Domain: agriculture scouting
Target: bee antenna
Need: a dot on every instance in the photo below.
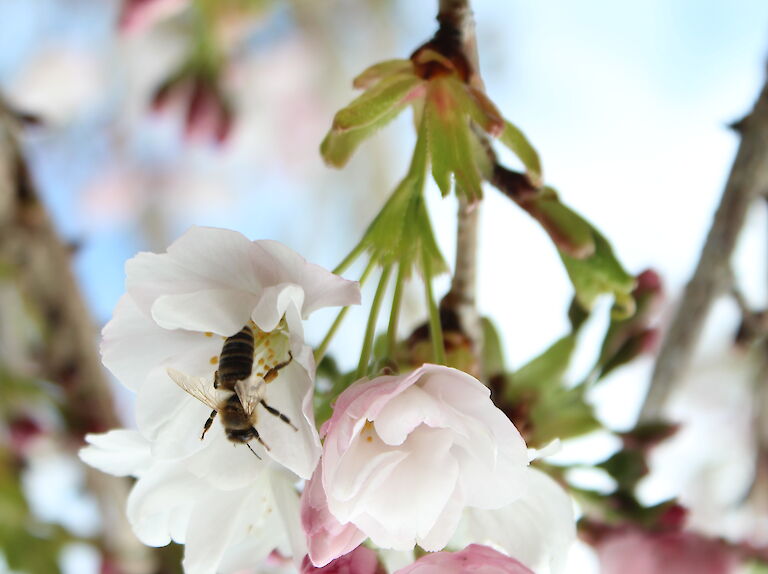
(253, 451)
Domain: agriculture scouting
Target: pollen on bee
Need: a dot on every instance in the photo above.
(213, 360)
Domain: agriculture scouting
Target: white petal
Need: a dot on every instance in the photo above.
(291, 394)
(407, 505)
(162, 497)
(274, 302)
(222, 311)
(224, 464)
(537, 529)
(132, 345)
(201, 259)
(288, 510)
(118, 452)
(405, 412)
(222, 520)
(321, 287)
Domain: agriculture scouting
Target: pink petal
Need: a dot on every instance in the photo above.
(327, 538)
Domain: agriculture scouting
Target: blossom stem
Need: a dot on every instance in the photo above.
(323, 347)
(435, 327)
(370, 329)
(394, 316)
(349, 259)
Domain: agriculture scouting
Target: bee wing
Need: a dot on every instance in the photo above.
(199, 388)
(250, 391)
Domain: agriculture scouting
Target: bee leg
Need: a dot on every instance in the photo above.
(258, 438)
(208, 424)
(271, 374)
(274, 411)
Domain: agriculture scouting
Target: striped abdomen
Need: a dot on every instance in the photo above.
(236, 360)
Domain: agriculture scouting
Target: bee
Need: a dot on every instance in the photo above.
(236, 391)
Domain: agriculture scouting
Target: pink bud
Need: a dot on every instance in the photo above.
(474, 559)
(361, 560)
(24, 430)
(648, 282)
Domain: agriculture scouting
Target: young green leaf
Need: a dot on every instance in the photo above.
(547, 369)
(390, 93)
(601, 273)
(449, 138)
(516, 141)
(338, 147)
(380, 70)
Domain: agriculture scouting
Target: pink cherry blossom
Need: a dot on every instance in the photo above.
(361, 560)
(405, 456)
(474, 559)
(633, 551)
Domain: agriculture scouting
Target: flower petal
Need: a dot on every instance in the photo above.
(537, 528)
(118, 452)
(327, 538)
(132, 345)
(222, 311)
(321, 287)
(291, 394)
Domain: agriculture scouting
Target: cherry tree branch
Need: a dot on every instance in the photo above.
(748, 179)
(41, 266)
(455, 17)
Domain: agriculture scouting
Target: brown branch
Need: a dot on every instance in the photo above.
(40, 263)
(457, 31)
(748, 179)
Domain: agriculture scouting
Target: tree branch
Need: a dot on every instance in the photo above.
(748, 179)
(456, 21)
(41, 266)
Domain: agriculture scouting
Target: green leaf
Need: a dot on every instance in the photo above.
(493, 354)
(381, 70)
(377, 102)
(561, 413)
(516, 141)
(338, 147)
(449, 138)
(482, 111)
(548, 369)
(601, 273)
(568, 230)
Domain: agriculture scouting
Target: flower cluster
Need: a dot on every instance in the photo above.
(209, 336)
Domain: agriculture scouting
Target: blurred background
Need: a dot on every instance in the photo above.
(629, 106)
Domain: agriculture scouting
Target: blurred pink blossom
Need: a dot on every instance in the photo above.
(474, 559)
(633, 551)
(137, 15)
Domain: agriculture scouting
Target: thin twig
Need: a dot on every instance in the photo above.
(40, 262)
(748, 179)
(456, 16)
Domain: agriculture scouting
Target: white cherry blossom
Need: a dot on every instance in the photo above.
(406, 456)
(179, 308)
(227, 518)
(229, 505)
